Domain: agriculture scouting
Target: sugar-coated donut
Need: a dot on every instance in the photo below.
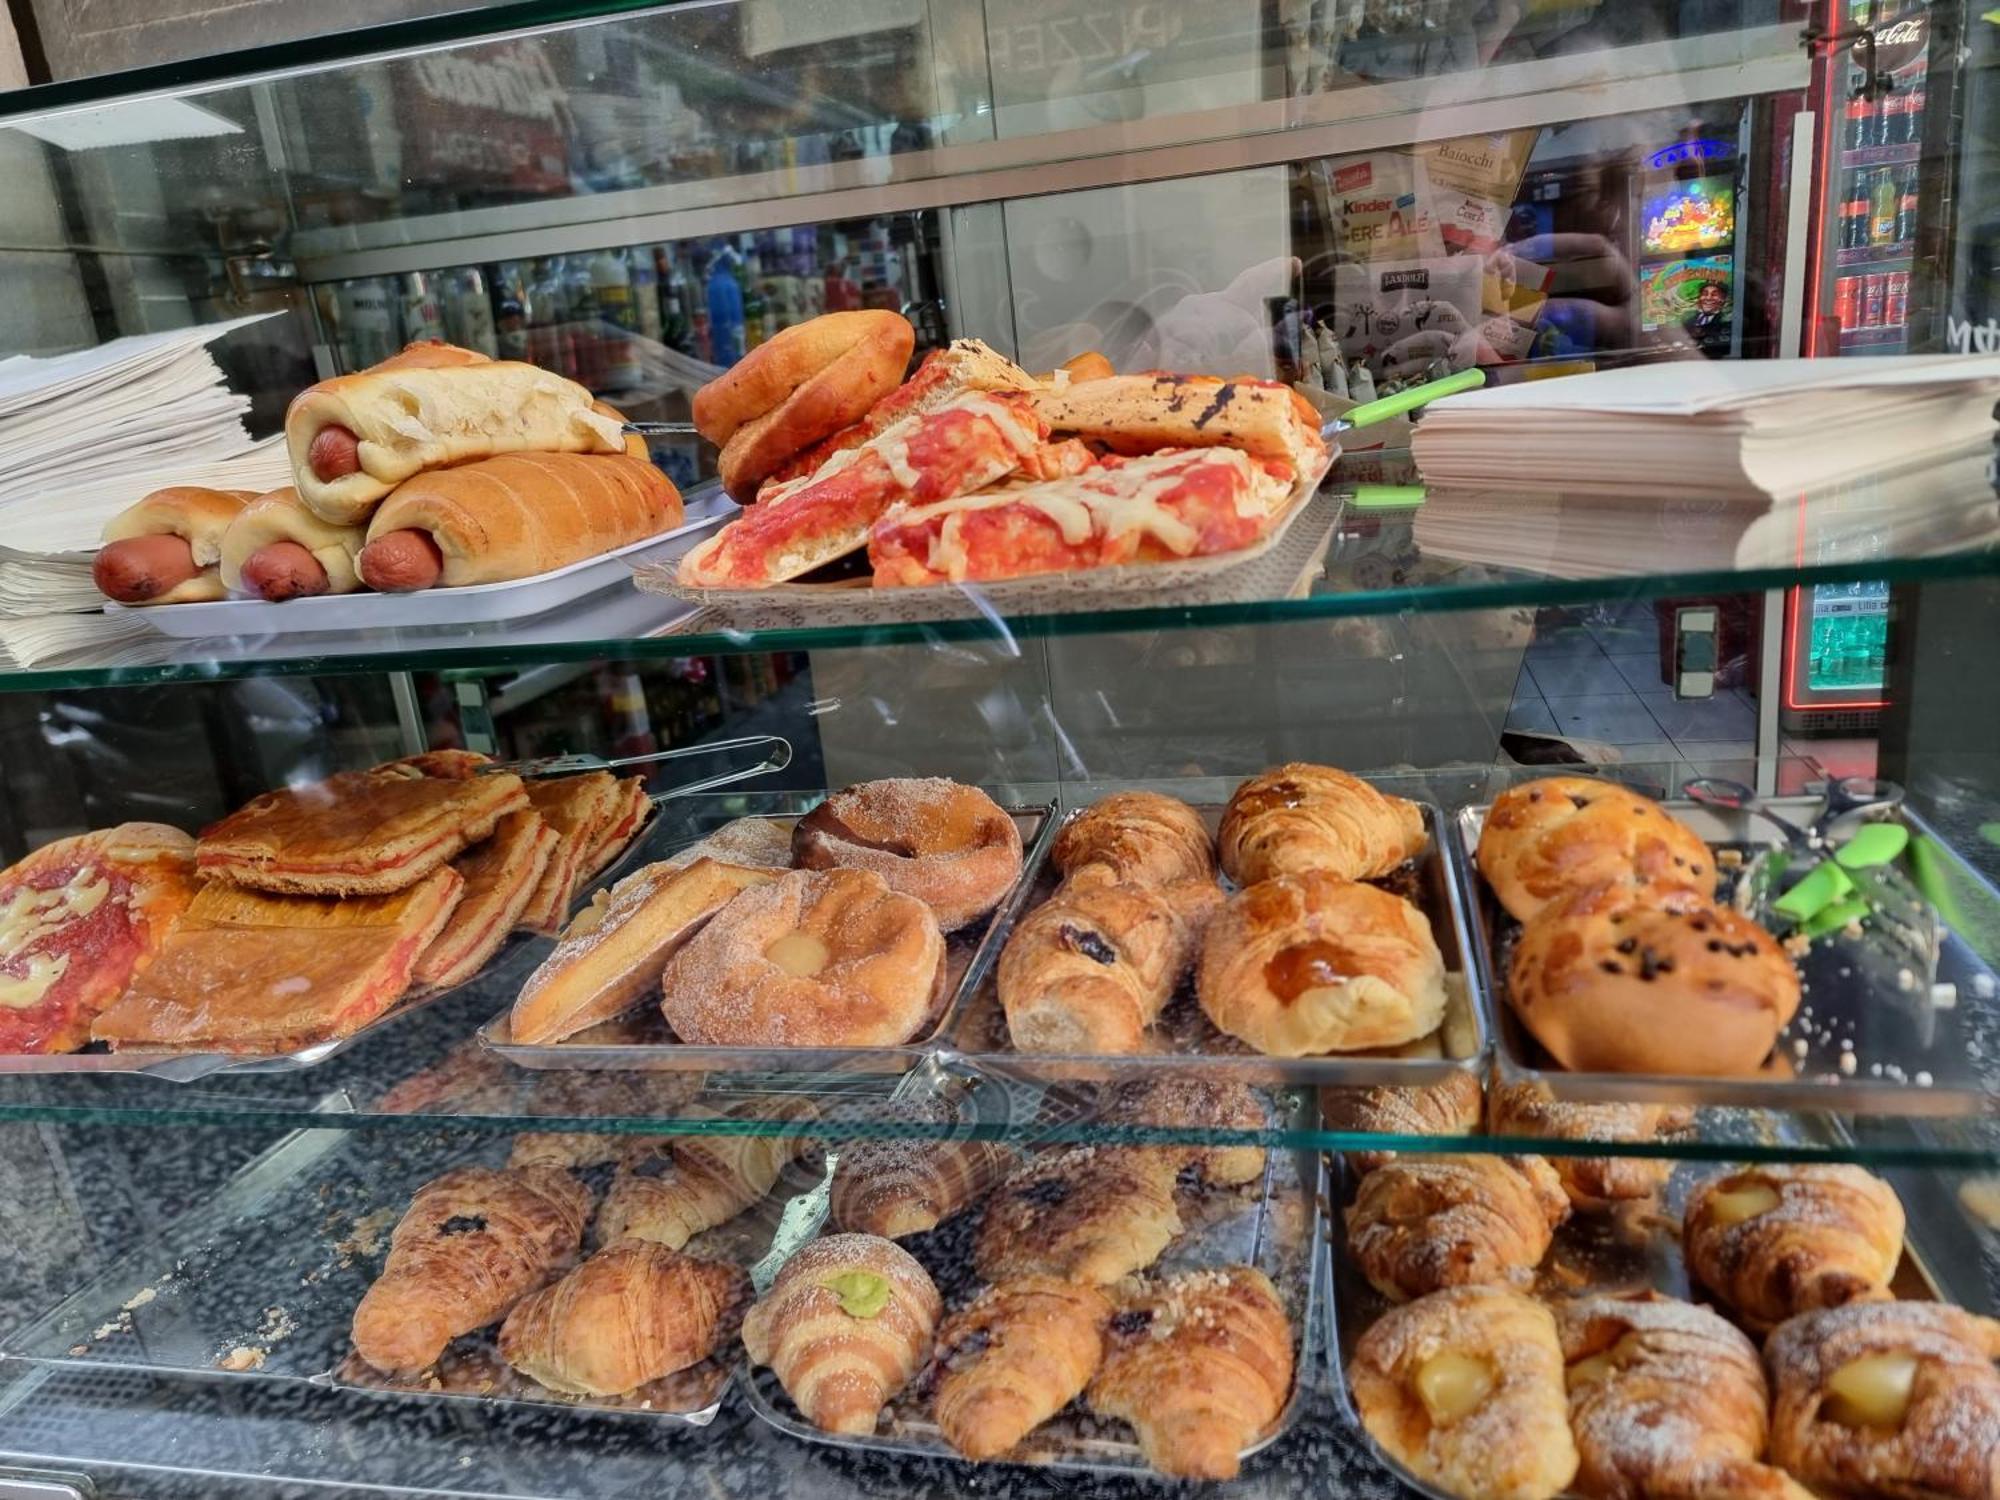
(1546, 838)
(815, 958)
(1620, 978)
(951, 846)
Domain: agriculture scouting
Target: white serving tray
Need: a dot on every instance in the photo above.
(474, 604)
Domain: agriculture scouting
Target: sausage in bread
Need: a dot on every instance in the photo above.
(165, 549)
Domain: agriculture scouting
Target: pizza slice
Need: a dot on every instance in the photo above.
(1145, 413)
(1157, 508)
(965, 445)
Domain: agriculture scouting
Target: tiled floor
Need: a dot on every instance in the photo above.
(1596, 676)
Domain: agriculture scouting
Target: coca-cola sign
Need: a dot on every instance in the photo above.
(1901, 43)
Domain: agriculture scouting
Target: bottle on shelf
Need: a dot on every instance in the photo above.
(550, 341)
(646, 293)
(1913, 115)
(1884, 204)
(1854, 213)
(755, 330)
(1906, 208)
(422, 317)
(367, 321)
(581, 315)
(617, 319)
(468, 311)
(1895, 119)
(1860, 133)
(510, 310)
(725, 308)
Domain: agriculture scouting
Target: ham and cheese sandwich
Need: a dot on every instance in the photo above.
(961, 447)
(1157, 508)
(500, 875)
(355, 833)
(245, 971)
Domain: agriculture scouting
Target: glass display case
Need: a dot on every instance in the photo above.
(346, 1183)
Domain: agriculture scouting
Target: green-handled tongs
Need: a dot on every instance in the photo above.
(1406, 400)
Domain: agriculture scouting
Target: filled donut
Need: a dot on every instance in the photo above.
(815, 958)
(951, 846)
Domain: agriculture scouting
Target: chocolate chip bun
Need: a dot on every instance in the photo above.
(1546, 838)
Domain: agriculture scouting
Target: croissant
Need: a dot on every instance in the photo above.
(897, 1188)
(670, 1190)
(1464, 1388)
(1771, 1241)
(1451, 1106)
(1297, 818)
(1531, 1109)
(630, 1314)
(566, 1149)
(1091, 1214)
(1888, 1398)
(1667, 1402)
(1188, 1100)
(844, 1327)
(471, 1244)
(1013, 1358)
(1092, 967)
(1140, 838)
(1199, 1364)
(1420, 1223)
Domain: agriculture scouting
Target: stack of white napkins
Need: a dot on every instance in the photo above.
(1710, 429)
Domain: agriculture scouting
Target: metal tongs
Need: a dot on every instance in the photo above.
(779, 756)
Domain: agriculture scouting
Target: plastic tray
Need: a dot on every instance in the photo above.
(515, 957)
(1273, 1224)
(1188, 1042)
(1591, 1252)
(1897, 1071)
(478, 603)
(642, 1039)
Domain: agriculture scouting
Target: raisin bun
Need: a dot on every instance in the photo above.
(1547, 838)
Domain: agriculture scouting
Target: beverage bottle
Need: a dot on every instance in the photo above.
(551, 343)
(367, 322)
(1854, 214)
(510, 312)
(1883, 206)
(725, 309)
(1860, 122)
(422, 317)
(1913, 115)
(468, 312)
(580, 318)
(754, 306)
(1906, 208)
(646, 293)
(1895, 119)
(617, 319)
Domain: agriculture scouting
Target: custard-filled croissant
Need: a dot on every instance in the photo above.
(1199, 1364)
(471, 1244)
(1013, 1358)
(1464, 1388)
(1424, 1222)
(1888, 1398)
(1091, 1214)
(1771, 1241)
(1667, 1402)
(631, 1314)
(844, 1327)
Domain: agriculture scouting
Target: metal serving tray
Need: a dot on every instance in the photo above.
(1913, 1059)
(517, 955)
(1186, 1041)
(1603, 1252)
(1273, 1224)
(642, 1040)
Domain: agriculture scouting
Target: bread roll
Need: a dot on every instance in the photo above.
(527, 513)
(281, 516)
(1547, 838)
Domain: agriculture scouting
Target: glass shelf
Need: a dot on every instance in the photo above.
(1450, 553)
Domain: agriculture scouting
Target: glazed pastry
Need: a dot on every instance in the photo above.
(1138, 838)
(1017, 1355)
(1888, 1398)
(1771, 1241)
(471, 1244)
(814, 958)
(897, 1188)
(1464, 1388)
(1547, 838)
(1451, 1106)
(669, 1190)
(949, 845)
(1667, 1401)
(1297, 818)
(844, 1327)
(1620, 979)
(1089, 1214)
(1199, 1364)
(1423, 1222)
(1090, 969)
(631, 1314)
(1531, 1109)
(1187, 1099)
(1302, 965)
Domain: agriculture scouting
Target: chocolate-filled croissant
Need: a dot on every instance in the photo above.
(1013, 1358)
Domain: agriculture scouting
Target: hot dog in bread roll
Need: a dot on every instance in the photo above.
(165, 549)
(511, 517)
(1143, 413)
(354, 438)
(278, 550)
(804, 384)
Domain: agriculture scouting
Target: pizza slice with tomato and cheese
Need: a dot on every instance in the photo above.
(1160, 507)
(963, 446)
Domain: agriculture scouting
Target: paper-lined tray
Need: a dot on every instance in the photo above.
(474, 604)
(1277, 567)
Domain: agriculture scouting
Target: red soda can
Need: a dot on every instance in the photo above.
(1896, 300)
(1874, 300)
(1847, 303)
